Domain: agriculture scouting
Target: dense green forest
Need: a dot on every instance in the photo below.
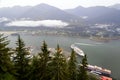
(16, 64)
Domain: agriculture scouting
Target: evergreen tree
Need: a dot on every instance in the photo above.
(5, 61)
(58, 66)
(82, 73)
(40, 64)
(35, 69)
(72, 68)
(44, 58)
(93, 77)
(21, 60)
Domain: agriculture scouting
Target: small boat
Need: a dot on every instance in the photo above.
(14, 34)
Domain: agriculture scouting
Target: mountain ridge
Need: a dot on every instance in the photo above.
(77, 15)
(97, 14)
(38, 12)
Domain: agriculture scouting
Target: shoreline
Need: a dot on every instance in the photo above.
(104, 39)
(93, 38)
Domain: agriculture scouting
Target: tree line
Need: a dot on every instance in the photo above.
(16, 64)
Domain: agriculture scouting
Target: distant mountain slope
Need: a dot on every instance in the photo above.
(39, 12)
(110, 17)
(44, 11)
(13, 12)
(97, 14)
(116, 6)
(76, 16)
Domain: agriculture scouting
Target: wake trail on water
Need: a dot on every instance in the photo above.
(85, 44)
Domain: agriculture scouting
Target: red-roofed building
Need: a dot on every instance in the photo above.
(105, 78)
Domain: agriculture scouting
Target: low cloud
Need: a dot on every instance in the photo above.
(31, 23)
(4, 19)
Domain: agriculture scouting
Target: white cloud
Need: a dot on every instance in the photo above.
(84, 17)
(31, 23)
(4, 19)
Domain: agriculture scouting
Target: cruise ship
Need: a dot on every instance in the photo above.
(77, 50)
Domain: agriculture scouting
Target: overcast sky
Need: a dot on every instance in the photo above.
(63, 4)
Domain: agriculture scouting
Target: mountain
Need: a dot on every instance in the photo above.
(116, 6)
(97, 14)
(75, 16)
(45, 12)
(110, 17)
(13, 12)
(38, 12)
